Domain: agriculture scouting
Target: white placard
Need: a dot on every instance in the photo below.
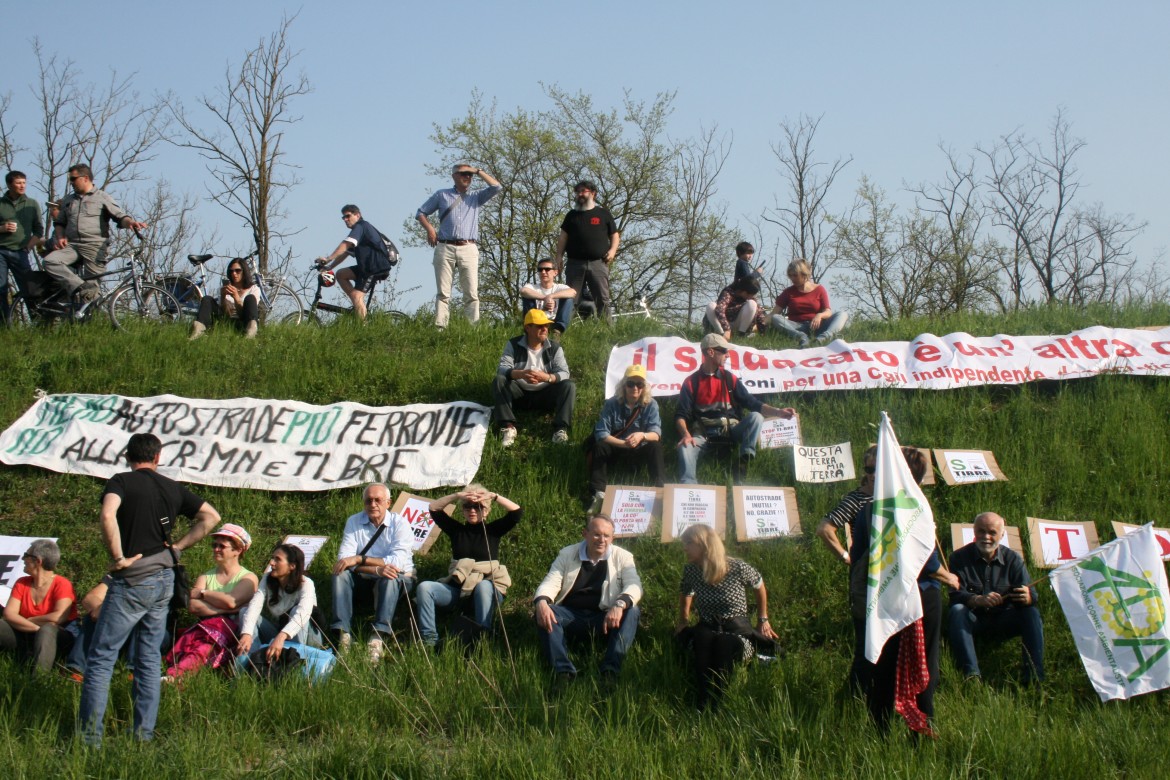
(691, 504)
(310, 546)
(833, 463)
(968, 467)
(1162, 535)
(764, 512)
(12, 550)
(1061, 542)
(416, 510)
(633, 510)
(778, 432)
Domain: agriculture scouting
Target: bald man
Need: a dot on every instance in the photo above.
(994, 597)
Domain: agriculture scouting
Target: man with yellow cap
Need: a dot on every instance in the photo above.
(533, 374)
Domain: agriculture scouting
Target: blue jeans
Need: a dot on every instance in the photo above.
(579, 622)
(802, 331)
(564, 312)
(746, 434)
(386, 594)
(128, 609)
(439, 595)
(14, 265)
(1023, 622)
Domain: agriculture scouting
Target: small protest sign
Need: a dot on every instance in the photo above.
(833, 463)
(310, 546)
(1055, 543)
(1161, 535)
(778, 432)
(416, 510)
(686, 505)
(963, 467)
(765, 512)
(632, 509)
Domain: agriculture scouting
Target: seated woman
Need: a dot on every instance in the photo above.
(475, 571)
(239, 300)
(216, 599)
(282, 609)
(41, 604)
(715, 585)
(630, 428)
(802, 310)
(736, 310)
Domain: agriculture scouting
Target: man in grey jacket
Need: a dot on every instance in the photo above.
(591, 588)
(533, 374)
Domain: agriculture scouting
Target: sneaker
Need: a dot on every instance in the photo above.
(375, 648)
(560, 436)
(250, 329)
(344, 641)
(197, 331)
(508, 437)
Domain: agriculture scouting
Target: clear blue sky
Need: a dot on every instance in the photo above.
(892, 81)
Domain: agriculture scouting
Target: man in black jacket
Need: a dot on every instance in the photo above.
(533, 374)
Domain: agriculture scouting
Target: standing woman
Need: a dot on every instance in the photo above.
(282, 608)
(802, 310)
(475, 571)
(41, 604)
(216, 599)
(716, 586)
(239, 299)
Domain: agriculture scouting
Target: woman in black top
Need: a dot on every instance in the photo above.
(475, 571)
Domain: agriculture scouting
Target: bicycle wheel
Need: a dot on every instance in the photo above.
(19, 315)
(145, 303)
(322, 317)
(280, 303)
(186, 292)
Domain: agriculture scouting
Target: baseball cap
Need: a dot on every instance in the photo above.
(714, 341)
(636, 372)
(537, 317)
(236, 532)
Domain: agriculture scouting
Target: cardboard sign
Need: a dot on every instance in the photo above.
(777, 433)
(1056, 543)
(1161, 534)
(686, 505)
(962, 534)
(963, 467)
(416, 510)
(632, 509)
(833, 463)
(310, 546)
(12, 550)
(765, 512)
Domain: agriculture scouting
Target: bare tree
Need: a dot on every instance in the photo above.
(8, 146)
(803, 216)
(57, 95)
(243, 142)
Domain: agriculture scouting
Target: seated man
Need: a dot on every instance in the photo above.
(713, 405)
(365, 243)
(736, 310)
(376, 554)
(555, 299)
(591, 588)
(533, 374)
(630, 429)
(995, 597)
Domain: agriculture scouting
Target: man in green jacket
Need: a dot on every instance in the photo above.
(21, 231)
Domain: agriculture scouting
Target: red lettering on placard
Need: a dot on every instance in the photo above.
(927, 353)
(685, 360)
(1062, 539)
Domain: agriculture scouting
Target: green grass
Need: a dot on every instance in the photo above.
(1081, 450)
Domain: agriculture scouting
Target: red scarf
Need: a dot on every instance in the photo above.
(912, 678)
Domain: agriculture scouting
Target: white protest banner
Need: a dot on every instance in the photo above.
(833, 463)
(962, 534)
(764, 512)
(310, 546)
(1115, 601)
(686, 505)
(1161, 536)
(1055, 543)
(963, 467)
(778, 432)
(254, 443)
(12, 550)
(901, 538)
(416, 510)
(929, 362)
(632, 509)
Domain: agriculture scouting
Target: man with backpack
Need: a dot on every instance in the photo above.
(366, 244)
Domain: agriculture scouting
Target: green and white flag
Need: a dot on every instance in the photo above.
(901, 538)
(1115, 601)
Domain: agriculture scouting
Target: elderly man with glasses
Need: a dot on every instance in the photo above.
(555, 299)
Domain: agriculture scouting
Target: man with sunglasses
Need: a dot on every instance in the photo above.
(555, 299)
(82, 232)
(365, 243)
(455, 241)
(714, 406)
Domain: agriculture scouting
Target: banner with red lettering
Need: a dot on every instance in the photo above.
(928, 362)
(255, 443)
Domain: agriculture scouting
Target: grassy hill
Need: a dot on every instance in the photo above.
(1093, 449)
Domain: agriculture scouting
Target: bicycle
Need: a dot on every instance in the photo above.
(135, 299)
(278, 301)
(323, 313)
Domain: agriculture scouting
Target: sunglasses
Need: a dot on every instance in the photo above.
(235, 270)
(472, 507)
(75, 178)
(220, 545)
(720, 350)
(468, 174)
(542, 270)
(632, 383)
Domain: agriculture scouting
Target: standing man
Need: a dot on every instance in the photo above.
(591, 238)
(21, 231)
(713, 405)
(137, 518)
(533, 374)
(995, 596)
(365, 243)
(591, 588)
(82, 231)
(455, 241)
(376, 555)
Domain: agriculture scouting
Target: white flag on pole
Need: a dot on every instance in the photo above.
(1115, 600)
(901, 538)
